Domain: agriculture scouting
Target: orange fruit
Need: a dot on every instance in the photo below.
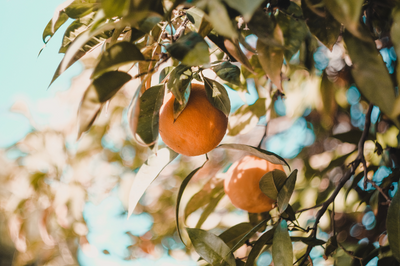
(242, 184)
(198, 129)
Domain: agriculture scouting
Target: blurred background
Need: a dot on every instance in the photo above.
(64, 201)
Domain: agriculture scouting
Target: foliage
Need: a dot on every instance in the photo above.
(326, 104)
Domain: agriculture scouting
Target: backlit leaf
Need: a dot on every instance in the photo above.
(219, 18)
(115, 8)
(217, 95)
(249, 234)
(233, 235)
(282, 252)
(204, 196)
(50, 29)
(271, 58)
(286, 191)
(269, 156)
(74, 30)
(246, 8)
(179, 197)
(165, 72)
(262, 25)
(190, 49)
(265, 239)
(211, 247)
(393, 226)
(233, 48)
(150, 104)
(348, 13)
(101, 90)
(81, 8)
(212, 204)
(228, 72)
(147, 173)
(294, 29)
(272, 183)
(117, 55)
(369, 72)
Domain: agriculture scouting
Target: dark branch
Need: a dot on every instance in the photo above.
(343, 180)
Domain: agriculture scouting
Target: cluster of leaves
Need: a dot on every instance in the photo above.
(147, 34)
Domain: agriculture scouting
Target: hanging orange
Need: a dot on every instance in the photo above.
(198, 129)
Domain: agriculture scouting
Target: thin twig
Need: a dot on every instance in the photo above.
(380, 190)
(350, 253)
(349, 173)
(310, 208)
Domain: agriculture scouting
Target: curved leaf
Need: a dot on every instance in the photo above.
(117, 55)
(265, 239)
(147, 173)
(150, 104)
(51, 29)
(101, 90)
(393, 225)
(272, 182)
(211, 247)
(217, 95)
(190, 49)
(348, 13)
(282, 251)
(369, 72)
(269, 156)
(233, 48)
(115, 8)
(219, 18)
(165, 72)
(271, 58)
(234, 234)
(179, 197)
(80, 8)
(179, 84)
(228, 72)
(286, 192)
(246, 8)
(210, 208)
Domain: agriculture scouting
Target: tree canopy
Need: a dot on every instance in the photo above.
(311, 85)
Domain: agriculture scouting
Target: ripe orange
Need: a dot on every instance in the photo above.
(198, 129)
(242, 184)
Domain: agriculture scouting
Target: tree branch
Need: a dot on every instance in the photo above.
(342, 181)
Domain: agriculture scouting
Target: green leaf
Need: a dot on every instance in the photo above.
(165, 72)
(179, 81)
(115, 8)
(395, 37)
(228, 72)
(150, 104)
(117, 55)
(325, 28)
(246, 8)
(249, 234)
(210, 208)
(233, 48)
(204, 196)
(246, 117)
(370, 72)
(265, 239)
(362, 251)
(50, 29)
(269, 156)
(271, 58)
(393, 225)
(262, 25)
(311, 241)
(211, 247)
(147, 173)
(101, 90)
(179, 197)
(388, 261)
(348, 13)
(331, 245)
(286, 192)
(219, 18)
(234, 234)
(272, 182)
(190, 49)
(74, 30)
(294, 29)
(217, 95)
(81, 8)
(282, 252)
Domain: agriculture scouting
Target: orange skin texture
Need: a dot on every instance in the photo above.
(242, 184)
(198, 129)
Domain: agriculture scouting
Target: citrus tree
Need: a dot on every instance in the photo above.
(319, 78)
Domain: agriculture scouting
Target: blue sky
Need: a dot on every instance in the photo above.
(24, 75)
